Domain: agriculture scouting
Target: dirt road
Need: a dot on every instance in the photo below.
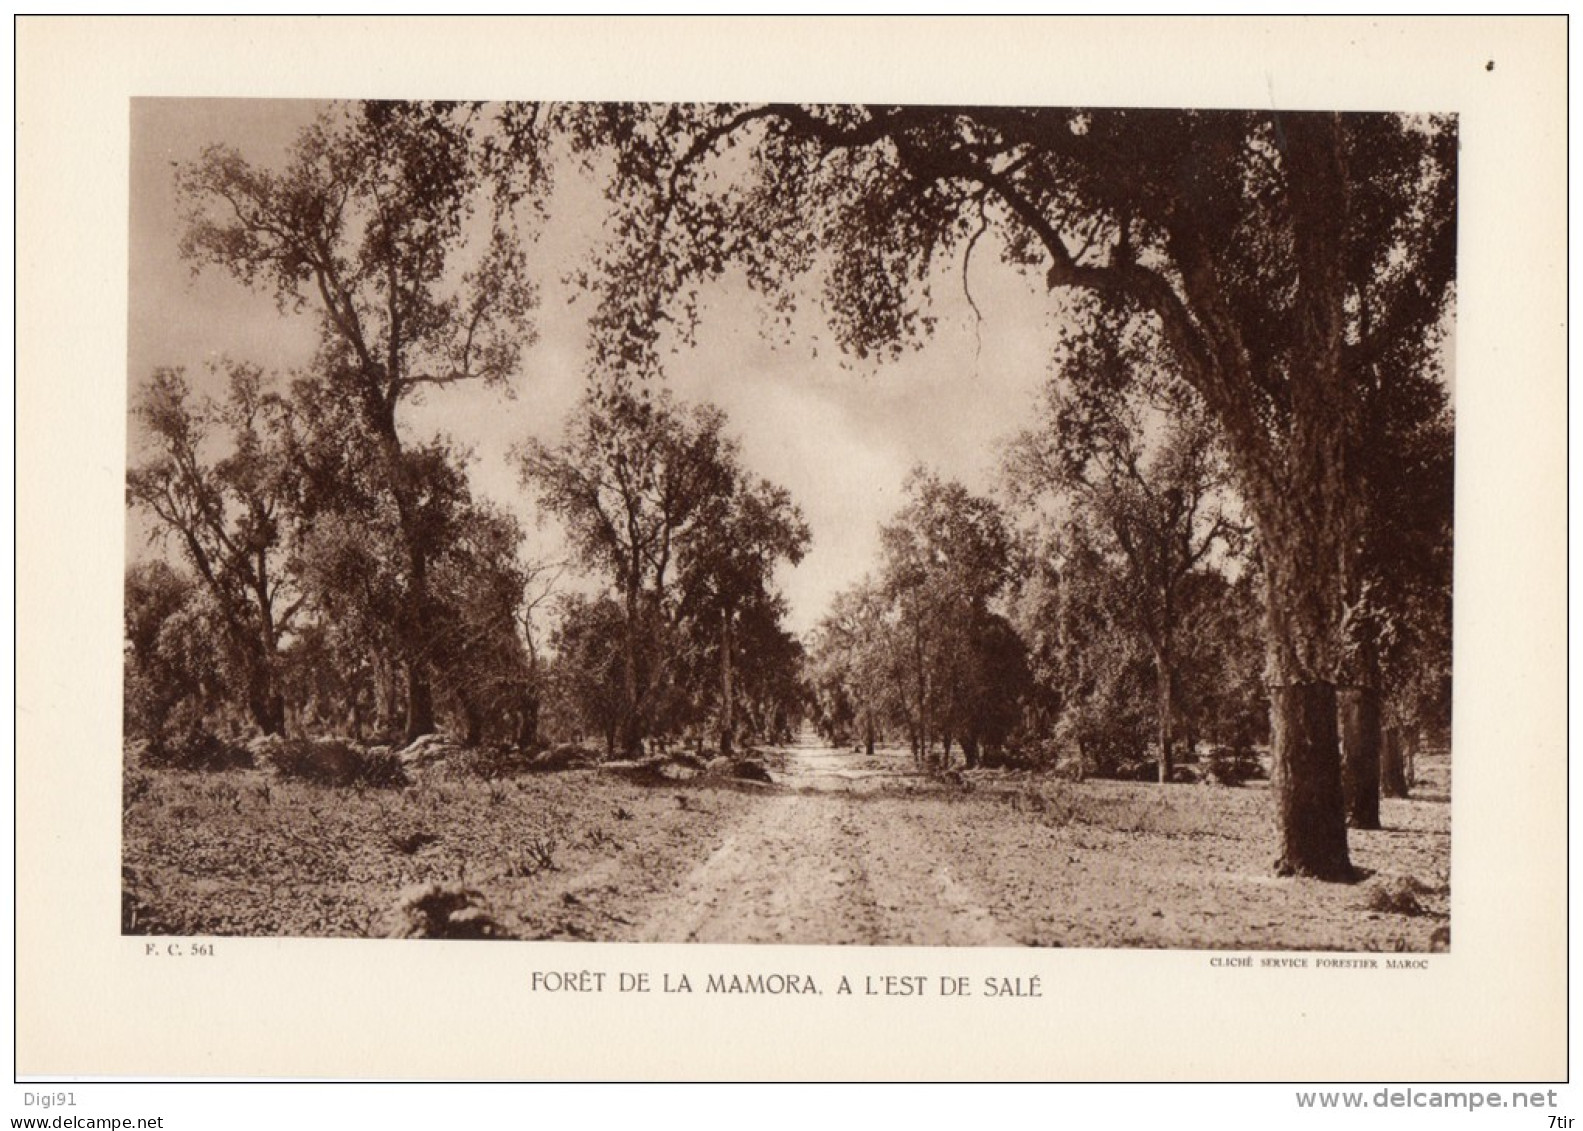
(851, 849)
(827, 860)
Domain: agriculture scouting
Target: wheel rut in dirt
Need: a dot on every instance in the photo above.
(835, 856)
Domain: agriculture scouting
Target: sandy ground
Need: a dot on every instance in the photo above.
(840, 849)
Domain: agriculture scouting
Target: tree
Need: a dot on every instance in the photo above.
(947, 554)
(857, 680)
(768, 680)
(634, 475)
(541, 581)
(589, 689)
(1033, 608)
(1102, 666)
(1154, 509)
(1246, 238)
(483, 663)
(1399, 609)
(171, 663)
(371, 225)
(227, 515)
(994, 682)
(727, 581)
(1224, 699)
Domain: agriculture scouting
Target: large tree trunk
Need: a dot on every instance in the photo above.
(1301, 603)
(528, 721)
(1360, 754)
(630, 735)
(414, 628)
(384, 678)
(420, 703)
(1393, 766)
(265, 705)
(420, 688)
(1306, 781)
(1166, 705)
(268, 705)
(277, 714)
(268, 712)
(725, 684)
(1303, 600)
(472, 722)
(631, 725)
(1307, 518)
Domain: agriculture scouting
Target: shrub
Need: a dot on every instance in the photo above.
(1028, 753)
(747, 770)
(193, 746)
(334, 761)
(566, 756)
(1227, 765)
(441, 911)
(1397, 896)
(488, 763)
(1133, 770)
(537, 855)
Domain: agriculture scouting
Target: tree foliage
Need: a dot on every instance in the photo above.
(655, 500)
(374, 226)
(171, 665)
(227, 514)
(921, 651)
(1146, 497)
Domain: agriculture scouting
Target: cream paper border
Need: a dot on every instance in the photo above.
(89, 1003)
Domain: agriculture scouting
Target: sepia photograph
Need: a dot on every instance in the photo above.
(858, 524)
(792, 558)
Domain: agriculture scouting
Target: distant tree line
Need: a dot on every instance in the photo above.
(1110, 619)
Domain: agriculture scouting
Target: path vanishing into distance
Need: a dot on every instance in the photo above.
(836, 854)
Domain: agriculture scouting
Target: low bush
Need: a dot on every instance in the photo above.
(483, 763)
(1039, 754)
(1397, 895)
(135, 786)
(563, 757)
(194, 747)
(334, 761)
(1228, 765)
(747, 770)
(537, 855)
(441, 911)
(1132, 769)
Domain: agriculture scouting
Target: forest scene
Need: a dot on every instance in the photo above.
(821, 524)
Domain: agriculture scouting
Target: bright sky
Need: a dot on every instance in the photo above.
(840, 435)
